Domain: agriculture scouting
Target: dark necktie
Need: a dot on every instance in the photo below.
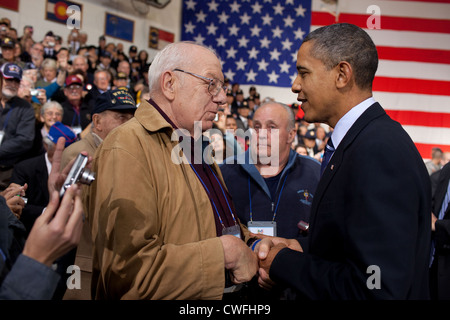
(329, 150)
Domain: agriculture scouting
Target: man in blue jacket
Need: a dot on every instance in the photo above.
(272, 187)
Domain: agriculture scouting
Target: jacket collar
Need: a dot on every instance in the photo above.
(249, 167)
(150, 118)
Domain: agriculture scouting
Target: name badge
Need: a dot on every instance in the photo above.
(267, 228)
(234, 231)
(2, 134)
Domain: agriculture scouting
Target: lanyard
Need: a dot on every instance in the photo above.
(209, 193)
(278, 202)
(77, 113)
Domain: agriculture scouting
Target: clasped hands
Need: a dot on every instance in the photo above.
(244, 263)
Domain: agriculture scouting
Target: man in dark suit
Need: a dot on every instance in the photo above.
(369, 235)
(440, 227)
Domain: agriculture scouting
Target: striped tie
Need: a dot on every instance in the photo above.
(329, 150)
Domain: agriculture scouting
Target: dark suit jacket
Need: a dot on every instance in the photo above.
(440, 271)
(33, 172)
(371, 208)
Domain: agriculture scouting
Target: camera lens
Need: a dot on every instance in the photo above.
(87, 177)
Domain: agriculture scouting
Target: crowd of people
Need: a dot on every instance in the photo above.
(131, 113)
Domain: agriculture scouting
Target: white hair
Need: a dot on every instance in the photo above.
(174, 55)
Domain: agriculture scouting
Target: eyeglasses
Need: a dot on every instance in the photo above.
(215, 85)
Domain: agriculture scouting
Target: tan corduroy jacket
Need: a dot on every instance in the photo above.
(152, 222)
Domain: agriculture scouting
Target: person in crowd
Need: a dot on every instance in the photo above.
(49, 71)
(243, 120)
(49, 44)
(112, 108)
(309, 140)
(440, 231)
(273, 197)
(26, 264)
(50, 113)
(435, 164)
(77, 113)
(82, 63)
(300, 148)
(369, 236)
(102, 83)
(17, 123)
(189, 239)
(8, 46)
(35, 172)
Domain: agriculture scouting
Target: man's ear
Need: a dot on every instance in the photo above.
(96, 121)
(168, 82)
(344, 74)
(291, 136)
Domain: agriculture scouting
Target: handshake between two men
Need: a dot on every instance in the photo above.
(245, 262)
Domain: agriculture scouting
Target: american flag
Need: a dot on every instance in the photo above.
(258, 41)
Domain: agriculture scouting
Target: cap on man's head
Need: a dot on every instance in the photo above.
(74, 79)
(133, 49)
(106, 54)
(58, 130)
(116, 100)
(8, 43)
(121, 75)
(11, 71)
(310, 134)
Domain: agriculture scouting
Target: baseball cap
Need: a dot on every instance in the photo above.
(74, 79)
(118, 99)
(58, 130)
(11, 71)
(8, 43)
(133, 49)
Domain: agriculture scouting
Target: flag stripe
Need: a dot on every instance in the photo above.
(427, 135)
(414, 54)
(425, 148)
(415, 70)
(420, 118)
(387, 22)
(413, 101)
(420, 86)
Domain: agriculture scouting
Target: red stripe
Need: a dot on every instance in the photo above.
(407, 85)
(425, 149)
(386, 22)
(420, 118)
(413, 54)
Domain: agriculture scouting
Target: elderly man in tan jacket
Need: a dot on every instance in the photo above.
(163, 223)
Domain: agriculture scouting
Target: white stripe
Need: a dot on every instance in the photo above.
(429, 135)
(410, 39)
(415, 70)
(413, 102)
(407, 39)
(413, 9)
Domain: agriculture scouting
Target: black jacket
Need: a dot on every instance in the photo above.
(371, 210)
